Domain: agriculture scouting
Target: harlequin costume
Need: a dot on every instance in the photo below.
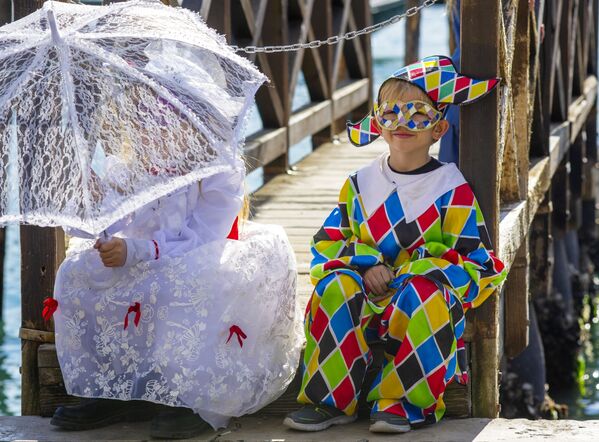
(428, 228)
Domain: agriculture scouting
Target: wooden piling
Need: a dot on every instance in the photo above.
(479, 159)
(42, 251)
(273, 102)
(412, 49)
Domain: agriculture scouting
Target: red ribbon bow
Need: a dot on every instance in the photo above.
(239, 332)
(50, 306)
(133, 308)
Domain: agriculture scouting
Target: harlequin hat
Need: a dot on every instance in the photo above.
(439, 79)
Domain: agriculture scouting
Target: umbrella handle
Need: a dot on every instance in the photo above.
(104, 237)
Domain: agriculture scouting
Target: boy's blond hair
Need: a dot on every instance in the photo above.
(393, 89)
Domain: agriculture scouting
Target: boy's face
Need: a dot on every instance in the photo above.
(405, 141)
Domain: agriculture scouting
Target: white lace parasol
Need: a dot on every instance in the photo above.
(106, 108)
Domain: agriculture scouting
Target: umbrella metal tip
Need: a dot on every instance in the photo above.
(53, 28)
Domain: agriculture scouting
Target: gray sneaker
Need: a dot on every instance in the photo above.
(383, 422)
(317, 418)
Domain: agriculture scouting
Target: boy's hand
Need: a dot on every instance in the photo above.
(113, 252)
(377, 278)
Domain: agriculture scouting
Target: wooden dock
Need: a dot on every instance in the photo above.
(529, 151)
(257, 428)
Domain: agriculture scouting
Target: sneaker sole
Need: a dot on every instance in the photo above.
(386, 427)
(339, 420)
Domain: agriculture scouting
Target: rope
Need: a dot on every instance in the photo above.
(336, 38)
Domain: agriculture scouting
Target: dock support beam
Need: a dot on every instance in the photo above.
(479, 159)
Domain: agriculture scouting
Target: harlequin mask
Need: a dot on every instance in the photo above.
(438, 78)
(413, 115)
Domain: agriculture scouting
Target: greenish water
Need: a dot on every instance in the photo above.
(583, 402)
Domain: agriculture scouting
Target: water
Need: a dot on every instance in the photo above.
(583, 402)
(388, 54)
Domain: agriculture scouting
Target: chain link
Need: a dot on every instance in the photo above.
(336, 38)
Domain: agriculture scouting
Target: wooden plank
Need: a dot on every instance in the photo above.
(513, 228)
(46, 356)
(50, 376)
(264, 146)
(558, 144)
(348, 97)
(309, 120)
(579, 110)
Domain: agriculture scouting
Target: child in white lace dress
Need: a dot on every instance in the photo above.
(171, 311)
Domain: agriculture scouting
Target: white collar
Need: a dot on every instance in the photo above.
(416, 192)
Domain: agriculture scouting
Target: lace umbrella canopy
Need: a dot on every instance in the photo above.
(106, 108)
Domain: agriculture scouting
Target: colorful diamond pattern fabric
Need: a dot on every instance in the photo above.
(439, 79)
(444, 265)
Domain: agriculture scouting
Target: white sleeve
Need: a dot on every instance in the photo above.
(219, 202)
(139, 250)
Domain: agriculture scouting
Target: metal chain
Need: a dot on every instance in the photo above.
(336, 38)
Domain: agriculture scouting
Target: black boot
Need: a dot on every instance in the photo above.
(177, 423)
(96, 413)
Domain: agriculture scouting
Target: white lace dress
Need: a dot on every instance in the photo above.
(219, 329)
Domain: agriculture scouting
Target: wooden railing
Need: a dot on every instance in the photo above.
(338, 78)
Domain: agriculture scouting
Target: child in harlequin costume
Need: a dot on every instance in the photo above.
(400, 259)
(178, 309)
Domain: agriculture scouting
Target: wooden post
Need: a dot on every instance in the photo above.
(541, 251)
(25, 7)
(42, 251)
(478, 161)
(220, 17)
(5, 11)
(322, 27)
(363, 18)
(412, 34)
(275, 32)
(589, 226)
(516, 291)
